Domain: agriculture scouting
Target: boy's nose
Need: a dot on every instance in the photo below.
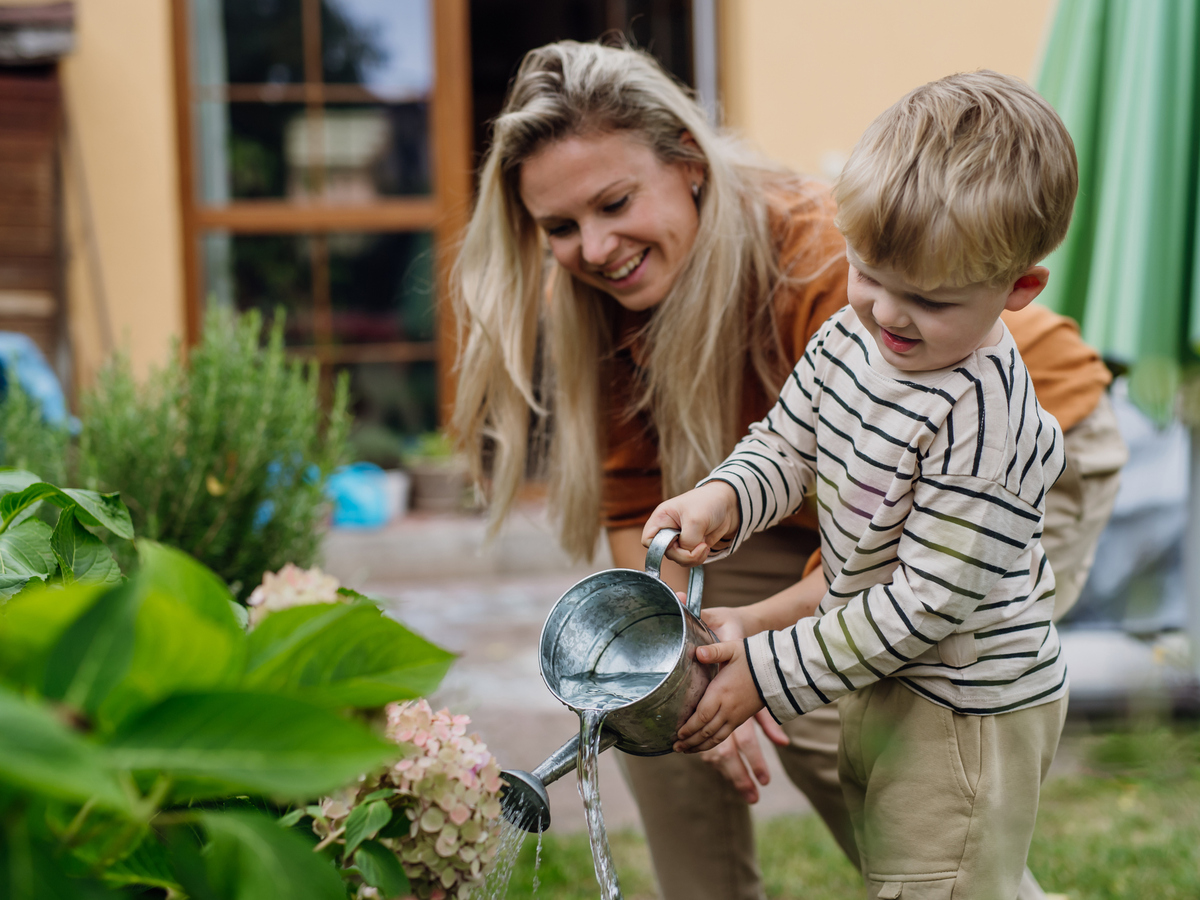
(889, 313)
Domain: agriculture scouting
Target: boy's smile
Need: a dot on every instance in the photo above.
(923, 330)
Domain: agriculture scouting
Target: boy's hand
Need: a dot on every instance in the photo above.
(730, 700)
(705, 517)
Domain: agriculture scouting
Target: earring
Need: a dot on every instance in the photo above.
(695, 191)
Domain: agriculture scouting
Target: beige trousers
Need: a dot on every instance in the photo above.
(943, 804)
(699, 829)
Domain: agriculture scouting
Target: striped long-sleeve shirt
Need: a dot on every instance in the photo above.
(930, 489)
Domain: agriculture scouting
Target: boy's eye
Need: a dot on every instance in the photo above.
(617, 205)
(931, 305)
(865, 279)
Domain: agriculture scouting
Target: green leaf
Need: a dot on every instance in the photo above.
(16, 480)
(81, 555)
(364, 822)
(175, 573)
(94, 651)
(31, 867)
(102, 509)
(293, 817)
(381, 869)
(25, 554)
(32, 622)
(149, 864)
(40, 754)
(18, 501)
(175, 648)
(249, 857)
(170, 629)
(241, 742)
(340, 655)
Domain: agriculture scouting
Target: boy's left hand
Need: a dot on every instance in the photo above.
(730, 700)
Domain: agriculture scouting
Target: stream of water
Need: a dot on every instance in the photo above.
(590, 723)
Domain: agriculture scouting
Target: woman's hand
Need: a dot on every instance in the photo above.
(706, 516)
(740, 756)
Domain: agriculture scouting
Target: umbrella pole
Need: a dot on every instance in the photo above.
(1191, 561)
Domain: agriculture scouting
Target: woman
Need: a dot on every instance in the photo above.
(684, 279)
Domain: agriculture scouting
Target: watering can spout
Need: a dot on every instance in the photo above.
(524, 799)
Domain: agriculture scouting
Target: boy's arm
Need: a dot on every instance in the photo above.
(768, 473)
(962, 535)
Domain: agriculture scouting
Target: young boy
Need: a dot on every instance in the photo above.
(912, 419)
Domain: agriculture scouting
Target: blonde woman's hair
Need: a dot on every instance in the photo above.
(970, 179)
(535, 343)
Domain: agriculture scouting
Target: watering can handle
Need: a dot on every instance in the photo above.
(654, 557)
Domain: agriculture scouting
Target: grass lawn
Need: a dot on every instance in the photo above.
(1126, 826)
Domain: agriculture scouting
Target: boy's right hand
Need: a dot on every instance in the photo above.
(707, 518)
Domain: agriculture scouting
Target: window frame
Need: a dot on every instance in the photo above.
(444, 212)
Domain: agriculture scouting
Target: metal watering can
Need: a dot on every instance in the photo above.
(619, 625)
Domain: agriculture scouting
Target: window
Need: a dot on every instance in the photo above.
(326, 154)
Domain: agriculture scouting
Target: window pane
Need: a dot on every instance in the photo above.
(384, 45)
(263, 272)
(264, 41)
(400, 397)
(342, 154)
(369, 152)
(381, 287)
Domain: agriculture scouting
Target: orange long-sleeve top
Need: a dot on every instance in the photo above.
(1068, 375)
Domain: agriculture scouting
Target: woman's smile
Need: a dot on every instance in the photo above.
(621, 276)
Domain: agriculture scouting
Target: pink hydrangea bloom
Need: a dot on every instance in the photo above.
(448, 786)
(291, 586)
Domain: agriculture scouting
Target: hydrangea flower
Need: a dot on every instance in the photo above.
(447, 785)
(291, 586)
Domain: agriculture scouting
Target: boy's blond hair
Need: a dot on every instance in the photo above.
(966, 180)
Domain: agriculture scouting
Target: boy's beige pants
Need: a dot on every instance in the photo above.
(943, 804)
(698, 827)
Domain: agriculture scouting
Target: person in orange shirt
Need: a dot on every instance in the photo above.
(634, 287)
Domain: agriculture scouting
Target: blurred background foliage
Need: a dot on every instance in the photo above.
(223, 453)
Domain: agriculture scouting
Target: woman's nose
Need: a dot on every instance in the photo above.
(597, 244)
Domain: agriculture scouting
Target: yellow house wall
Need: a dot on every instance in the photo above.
(125, 270)
(803, 78)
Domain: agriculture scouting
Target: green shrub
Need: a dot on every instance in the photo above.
(27, 441)
(224, 455)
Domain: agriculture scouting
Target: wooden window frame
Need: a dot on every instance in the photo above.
(444, 212)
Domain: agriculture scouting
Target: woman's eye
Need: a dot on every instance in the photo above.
(560, 230)
(617, 206)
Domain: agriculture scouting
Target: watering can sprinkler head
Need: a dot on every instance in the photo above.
(524, 801)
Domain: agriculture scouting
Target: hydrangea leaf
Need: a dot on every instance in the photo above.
(25, 554)
(364, 822)
(343, 655)
(39, 753)
(381, 869)
(263, 744)
(249, 857)
(80, 554)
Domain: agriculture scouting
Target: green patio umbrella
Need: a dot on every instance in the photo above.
(1125, 77)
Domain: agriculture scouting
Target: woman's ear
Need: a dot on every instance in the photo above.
(697, 173)
(1026, 287)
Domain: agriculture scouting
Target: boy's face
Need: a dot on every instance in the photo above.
(919, 331)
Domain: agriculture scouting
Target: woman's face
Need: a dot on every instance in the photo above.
(615, 216)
